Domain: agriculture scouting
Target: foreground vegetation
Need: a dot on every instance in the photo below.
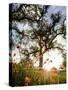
(25, 74)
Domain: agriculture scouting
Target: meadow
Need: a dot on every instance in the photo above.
(27, 75)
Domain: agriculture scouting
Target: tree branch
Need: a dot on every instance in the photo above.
(55, 37)
(53, 48)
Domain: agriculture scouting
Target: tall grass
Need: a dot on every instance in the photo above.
(36, 76)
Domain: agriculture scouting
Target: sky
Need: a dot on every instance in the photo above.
(55, 9)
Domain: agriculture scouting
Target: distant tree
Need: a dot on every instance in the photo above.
(41, 33)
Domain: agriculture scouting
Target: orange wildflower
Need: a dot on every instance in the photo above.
(26, 81)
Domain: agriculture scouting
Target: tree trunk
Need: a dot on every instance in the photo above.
(40, 54)
(41, 61)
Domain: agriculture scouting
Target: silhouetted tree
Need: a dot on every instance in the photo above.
(41, 31)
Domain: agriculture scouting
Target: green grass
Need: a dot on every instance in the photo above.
(62, 76)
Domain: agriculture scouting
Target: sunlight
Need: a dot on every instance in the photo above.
(50, 59)
(53, 59)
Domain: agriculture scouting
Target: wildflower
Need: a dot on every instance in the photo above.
(26, 81)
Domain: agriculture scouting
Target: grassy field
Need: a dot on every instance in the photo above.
(23, 75)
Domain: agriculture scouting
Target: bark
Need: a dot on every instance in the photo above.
(40, 54)
(41, 61)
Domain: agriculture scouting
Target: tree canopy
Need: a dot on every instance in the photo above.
(34, 30)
